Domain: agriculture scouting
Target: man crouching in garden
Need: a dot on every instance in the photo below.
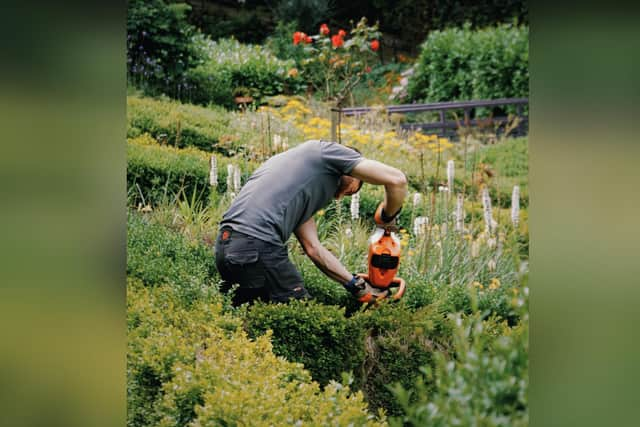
(280, 198)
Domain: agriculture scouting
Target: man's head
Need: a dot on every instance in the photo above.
(348, 186)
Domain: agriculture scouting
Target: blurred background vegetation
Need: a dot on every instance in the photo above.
(448, 50)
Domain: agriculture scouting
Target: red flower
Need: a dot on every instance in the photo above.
(324, 30)
(337, 41)
(367, 70)
(375, 45)
(342, 33)
(308, 40)
(298, 36)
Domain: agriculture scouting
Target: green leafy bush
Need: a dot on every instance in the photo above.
(319, 336)
(177, 124)
(157, 255)
(485, 382)
(233, 69)
(463, 64)
(157, 174)
(398, 342)
(195, 365)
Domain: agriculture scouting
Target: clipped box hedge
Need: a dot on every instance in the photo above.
(177, 124)
(378, 347)
(164, 172)
(196, 366)
(157, 255)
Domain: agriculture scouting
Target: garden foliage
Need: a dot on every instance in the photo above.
(485, 383)
(234, 69)
(159, 46)
(376, 348)
(457, 337)
(157, 174)
(334, 64)
(177, 124)
(159, 256)
(408, 22)
(196, 365)
(464, 64)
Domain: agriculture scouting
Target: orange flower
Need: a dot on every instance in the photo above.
(337, 41)
(298, 36)
(342, 33)
(308, 40)
(293, 72)
(375, 45)
(324, 30)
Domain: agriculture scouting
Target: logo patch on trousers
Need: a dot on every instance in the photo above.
(225, 235)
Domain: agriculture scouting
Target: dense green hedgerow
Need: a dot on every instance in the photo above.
(195, 365)
(161, 174)
(177, 124)
(157, 255)
(158, 174)
(380, 347)
(463, 64)
(319, 336)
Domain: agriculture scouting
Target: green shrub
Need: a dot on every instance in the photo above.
(177, 124)
(163, 173)
(194, 364)
(483, 382)
(157, 255)
(398, 342)
(318, 336)
(464, 64)
(234, 69)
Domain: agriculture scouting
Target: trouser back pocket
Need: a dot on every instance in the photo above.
(244, 267)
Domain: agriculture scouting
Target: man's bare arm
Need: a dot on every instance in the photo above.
(394, 181)
(307, 235)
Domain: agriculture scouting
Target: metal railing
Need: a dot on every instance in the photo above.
(446, 127)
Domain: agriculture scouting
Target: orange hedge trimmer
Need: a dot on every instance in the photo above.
(384, 260)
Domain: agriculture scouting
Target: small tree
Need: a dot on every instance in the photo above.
(334, 65)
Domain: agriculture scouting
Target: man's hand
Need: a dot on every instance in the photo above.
(364, 292)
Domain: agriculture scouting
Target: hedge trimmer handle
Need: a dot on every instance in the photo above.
(397, 283)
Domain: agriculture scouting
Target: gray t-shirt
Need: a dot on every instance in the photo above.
(288, 189)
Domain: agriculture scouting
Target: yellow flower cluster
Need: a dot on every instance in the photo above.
(404, 237)
(493, 285)
(434, 143)
(295, 109)
(317, 128)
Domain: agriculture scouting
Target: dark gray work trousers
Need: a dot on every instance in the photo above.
(262, 270)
